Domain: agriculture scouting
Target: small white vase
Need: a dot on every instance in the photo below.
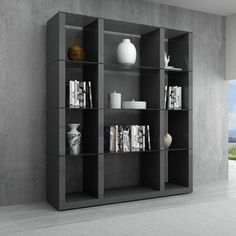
(74, 138)
(126, 53)
(167, 140)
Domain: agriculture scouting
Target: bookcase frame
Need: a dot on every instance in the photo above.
(95, 177)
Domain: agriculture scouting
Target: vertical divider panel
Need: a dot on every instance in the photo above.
(56, 38)
(62, 179)
(190, 51)
(161, 105)
(190, 117)
(162, 47)
(190, 169)
(101, 108)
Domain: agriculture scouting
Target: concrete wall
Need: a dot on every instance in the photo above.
(231, 47)
(23, 86)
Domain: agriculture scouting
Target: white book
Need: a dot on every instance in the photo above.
(180, 97)
(134, 138)
(112, 139)
(72, 94)
(90, 95)
(76, 93)
(169, 98)
(165, 98)
(126, 139)
(116, 138)
(175, 97)
(84, 93)
(148, 138)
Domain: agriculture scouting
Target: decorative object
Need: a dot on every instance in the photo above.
(126, 53)
(76, 53)
(74, 139)
(114, 100)
(166, 59)
(134, 104)
(167, 140)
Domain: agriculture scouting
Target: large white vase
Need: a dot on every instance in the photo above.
(74, 138)
(167, 140)
(126, 53)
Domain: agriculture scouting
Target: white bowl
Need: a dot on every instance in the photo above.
(134, 105)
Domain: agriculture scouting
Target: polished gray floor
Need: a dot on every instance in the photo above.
(210, 210)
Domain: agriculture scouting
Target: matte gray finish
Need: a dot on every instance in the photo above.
(94, 177)
(23, 63)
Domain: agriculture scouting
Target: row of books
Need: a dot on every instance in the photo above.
(173, 97)
(80, 94)
(127, 138)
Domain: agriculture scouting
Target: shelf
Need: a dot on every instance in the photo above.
(176, 71)
(126, 191)
(81, 196)
(148, 151)
(177, 149)
(184, 109)
(132, 68)
(74, 64)
(122, 109)
(171, 186)
(79, 155)
(77, 109)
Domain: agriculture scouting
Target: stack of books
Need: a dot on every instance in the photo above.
(131, 138)
(173, 97)
(80, 94)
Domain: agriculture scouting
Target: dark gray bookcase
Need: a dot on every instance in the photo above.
(96, 177)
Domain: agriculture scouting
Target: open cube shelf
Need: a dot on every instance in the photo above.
(177, 175)
(97, 176)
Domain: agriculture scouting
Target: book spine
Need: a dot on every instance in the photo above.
(107, 138)
(169, 98)
(80, 95)
(175, 100)
(116, 138)
(134, 138)
(165, 98)
(180, 97)
(148, 137)
(112, 139)
(144, 146)
(140, 138)
(126, 139)
(70, 94)
(90, 94)
(76, 94)
(84, 93)
(120, 138)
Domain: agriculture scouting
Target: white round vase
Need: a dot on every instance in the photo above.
(167, 140)
(74, 138)
(126, 53)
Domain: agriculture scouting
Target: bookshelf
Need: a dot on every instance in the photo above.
(96, 176)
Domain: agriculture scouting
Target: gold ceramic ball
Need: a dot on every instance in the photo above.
(76, 53)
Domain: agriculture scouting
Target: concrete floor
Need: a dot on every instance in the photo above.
(210, 210)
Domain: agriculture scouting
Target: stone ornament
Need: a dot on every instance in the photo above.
(167, 140)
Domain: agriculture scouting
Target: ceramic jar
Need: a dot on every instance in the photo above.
(76, 53)
(126, 53)
(114, 100)
(167, 140)
(74, 139)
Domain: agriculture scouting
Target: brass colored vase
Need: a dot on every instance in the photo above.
(76, 53)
